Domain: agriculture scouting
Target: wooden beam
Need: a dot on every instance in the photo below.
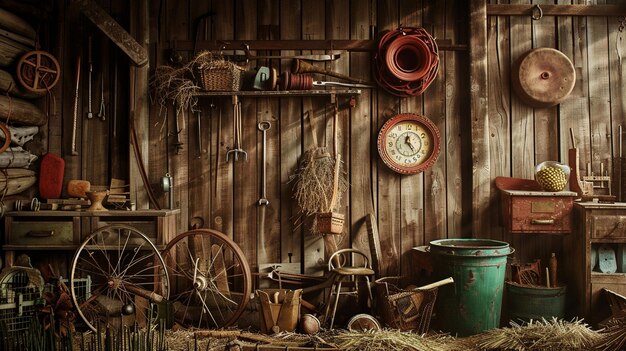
(556, 10)
(135, 51)
(325, 44)
(481, 181)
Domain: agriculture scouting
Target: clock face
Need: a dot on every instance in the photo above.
(408, 143)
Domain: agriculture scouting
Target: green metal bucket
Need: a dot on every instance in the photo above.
(534, 302)
(473, 304)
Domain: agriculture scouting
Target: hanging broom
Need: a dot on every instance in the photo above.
(319, 183)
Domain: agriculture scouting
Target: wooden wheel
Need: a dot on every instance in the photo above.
(38, 71)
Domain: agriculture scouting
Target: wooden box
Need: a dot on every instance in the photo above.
(527, 209)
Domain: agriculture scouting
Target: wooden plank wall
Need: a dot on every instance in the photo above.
(520, 136)
(454, 198)
(411, 210)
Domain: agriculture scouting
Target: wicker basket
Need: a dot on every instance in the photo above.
(407, 310)
(220, 75)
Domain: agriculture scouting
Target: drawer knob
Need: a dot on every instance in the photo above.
(542, 221)
(40, 233)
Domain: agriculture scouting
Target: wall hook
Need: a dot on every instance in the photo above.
(537, 13)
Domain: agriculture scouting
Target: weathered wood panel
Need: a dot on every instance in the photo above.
(471, 102)
(290, 136)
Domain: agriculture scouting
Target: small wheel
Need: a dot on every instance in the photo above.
(211, 279)
(38, 71)
(117, 266)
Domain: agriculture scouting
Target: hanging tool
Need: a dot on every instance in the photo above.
(199, 117)
(74, 126)
(237, 132)
(90, 63)
(103, 108)
(263, 127)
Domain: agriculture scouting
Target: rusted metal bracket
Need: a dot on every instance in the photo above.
(114, 31)
(556, 10)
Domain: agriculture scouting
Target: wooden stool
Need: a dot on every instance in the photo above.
(341, 273)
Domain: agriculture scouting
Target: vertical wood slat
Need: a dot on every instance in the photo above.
(290, 137)
(434, 107)
(337, 28)
(617, 51)
(389, 210)
(522, 118)
(599, 94)
(499, 72)
(413, 192)
(523, 159)
(546, 119)
(178, 162)
(313, 25)
(222, 124)
(246, 173)
(453, 92)
(268, 238)
(361, 133)
(478, 112)
(72, 28)
(200, 180)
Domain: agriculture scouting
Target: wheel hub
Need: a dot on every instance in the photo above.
(114, 283)
(201, 283)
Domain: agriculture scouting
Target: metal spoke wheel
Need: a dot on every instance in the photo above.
(210, 279)
(118, 278)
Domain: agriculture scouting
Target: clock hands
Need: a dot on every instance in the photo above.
(407, 141)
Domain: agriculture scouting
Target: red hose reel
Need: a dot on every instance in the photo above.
(407, 61)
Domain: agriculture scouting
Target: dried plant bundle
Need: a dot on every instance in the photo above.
(178, 85)
(313, 187)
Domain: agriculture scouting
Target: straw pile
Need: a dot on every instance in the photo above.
(537, 335)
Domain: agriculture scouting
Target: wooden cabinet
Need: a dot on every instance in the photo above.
(596, 225)
(65, 230)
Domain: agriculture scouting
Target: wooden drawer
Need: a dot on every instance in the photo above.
(45, 234)
(608, 226)
(538, 214)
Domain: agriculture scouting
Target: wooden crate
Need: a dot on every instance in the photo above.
(527, 209)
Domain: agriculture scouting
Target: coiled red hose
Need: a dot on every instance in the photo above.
(407, 61)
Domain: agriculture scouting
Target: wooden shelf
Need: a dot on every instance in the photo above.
(288, 93)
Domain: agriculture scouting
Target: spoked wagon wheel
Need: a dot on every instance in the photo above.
(210, 279)
(117, 278)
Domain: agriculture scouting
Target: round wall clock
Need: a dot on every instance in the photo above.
(409, 143)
